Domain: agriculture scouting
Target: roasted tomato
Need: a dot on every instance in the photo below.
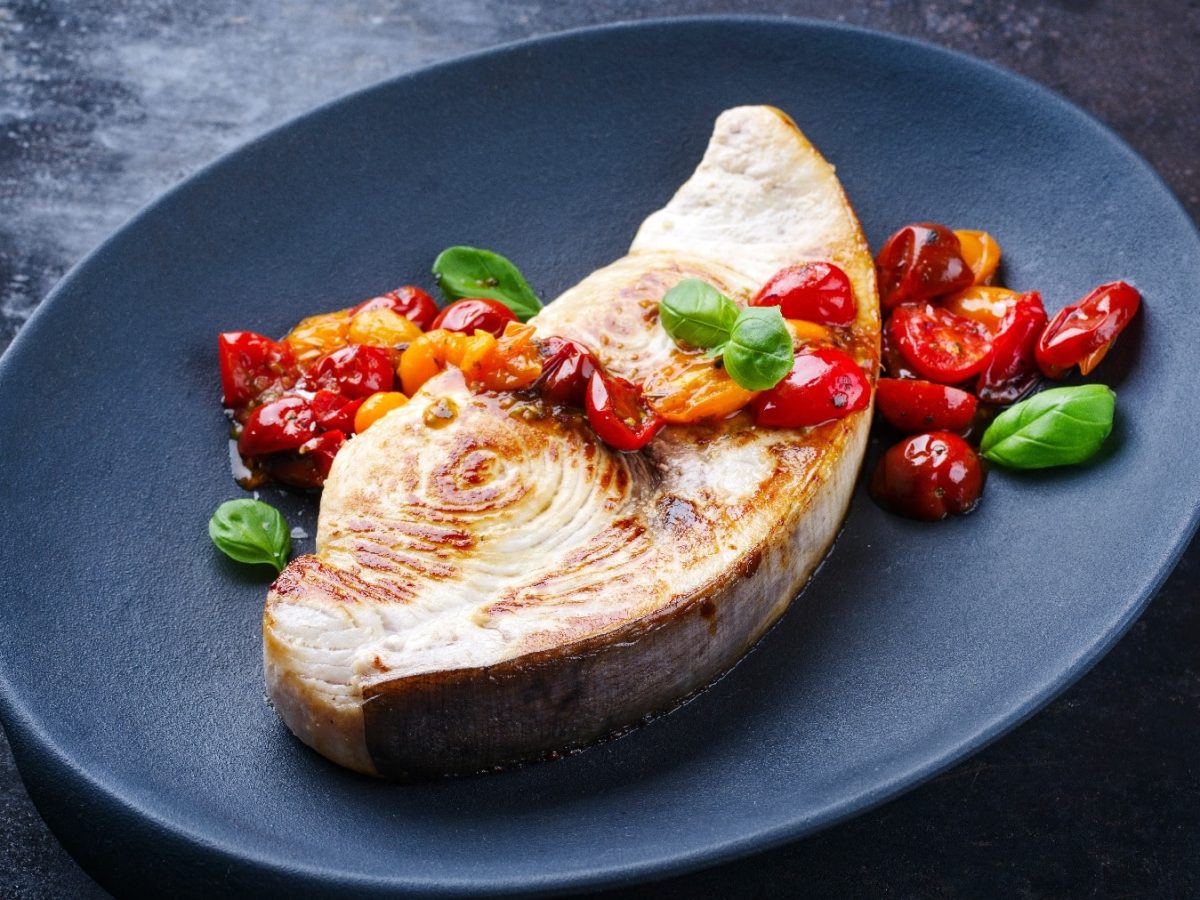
(250, 364)
(981, 253)
(1081, 334)
(929, 476)
(1012, 370)
(382, 327)
(920, 262)
(376, 407)
(816, 291)
(308, 466)
(319, 335)
(983, 304)
(567, 367)
(894, 364)
(354, 371)
(824, 384)
(475, 314)
(618, 414)
(691, 389)
(410, 301)
(939, 345)
(282, 424)
(914, 406)
(334, 412)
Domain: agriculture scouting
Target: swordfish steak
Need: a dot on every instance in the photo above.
(491, 585)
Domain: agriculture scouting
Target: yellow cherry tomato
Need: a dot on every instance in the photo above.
(319, 335)
(806, 332)
(513, 363)
(376, 407)
(692, 388)
(981, 253)
(382, 327)
(433, 350)
(983, 304)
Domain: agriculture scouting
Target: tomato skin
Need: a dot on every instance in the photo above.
(982, 303)
(824, 384)
(1083, 332)
(354, 371)
(250, 364)
(473, 314)
(334, 412)
(915, 406)
(307, 467)
(928, 476)
(283, 424)
(408, 300)
(894, 364)
(1012, 371)
(566, 370)
(816, 292)
(919, 262)
(937, 344)
(617, 413)
(981, 253)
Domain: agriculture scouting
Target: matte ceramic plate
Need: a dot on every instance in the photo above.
(131, 673)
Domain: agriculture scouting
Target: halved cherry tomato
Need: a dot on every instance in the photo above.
(805, 332)
(816, 291)
(410, 301)
(920, 262)
(983, 304)
(1012, 370)
(824, 384)
(307, 467)
(895, 365)
(939, 345)
(334, 412)
(355, 371)
(376, 407)
(692, 388)
(981, 254)
(915, 406)
(318, 336)
(511, 363)
(282, 424)
(382, 327)
(618, 414)
(250, 364)
(929, 476)
(1082, 333)
(473, 314)
(566, 369)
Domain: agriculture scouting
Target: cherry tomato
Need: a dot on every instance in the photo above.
(937, 344)
(929, 476)
(382, 327)
(250, 364)
(566, 371)
(354, 371)
(914, 406)
(618, 414)
(1013, 370)
(981, 253)
(691, 389)
(376, 407)
(307, 467)
(410, 301)
(334, 412)
(282, 424)
(475, 314)
(983, 304)
(920, 262)
(894, 364)
(318, 335)
(816, 291)
(1082, 333)
(824, 384)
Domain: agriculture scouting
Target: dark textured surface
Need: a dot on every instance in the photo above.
(102, 108)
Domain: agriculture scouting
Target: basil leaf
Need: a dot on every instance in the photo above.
(759, 353)
(471, 272)
(696, 314)
(1059, 427)
(251, 531)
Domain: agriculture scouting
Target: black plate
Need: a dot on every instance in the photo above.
(131, 678)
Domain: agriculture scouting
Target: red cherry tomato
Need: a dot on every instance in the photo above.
(282, 424)
(920, 262)
(334, 412)
(824, 384)
(354, 371)
(566, 371)
(307, 467)
(618, 414)
(1012, 370)
(1082, 333)
(914, 406)
(929, 476)
(410, 301)
(251, 363)
(894, 364)
(475, 314)
(937, 344)
(816, 292)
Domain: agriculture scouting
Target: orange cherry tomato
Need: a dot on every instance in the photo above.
(509, 364)
(376, 407)
(382, 327)
(692, 388)
(806, 332)
(319, 335)
(981, 254)
(432, 351)
(989, 306)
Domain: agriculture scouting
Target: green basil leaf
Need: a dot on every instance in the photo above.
(759, 353)
(471, 272)
(696, 314)
(1059, 427)
(251, 531)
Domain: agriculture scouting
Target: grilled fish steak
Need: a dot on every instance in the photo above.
(492, 586)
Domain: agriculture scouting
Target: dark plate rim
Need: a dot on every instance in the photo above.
(21, 724)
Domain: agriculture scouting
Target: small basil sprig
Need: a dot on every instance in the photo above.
(471, 272)
(251, 531)
(755, 342)
(1059, 427)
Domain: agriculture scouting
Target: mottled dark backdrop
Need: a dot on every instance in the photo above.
(103, 105)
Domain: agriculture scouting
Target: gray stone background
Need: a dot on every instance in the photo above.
(103, 105)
